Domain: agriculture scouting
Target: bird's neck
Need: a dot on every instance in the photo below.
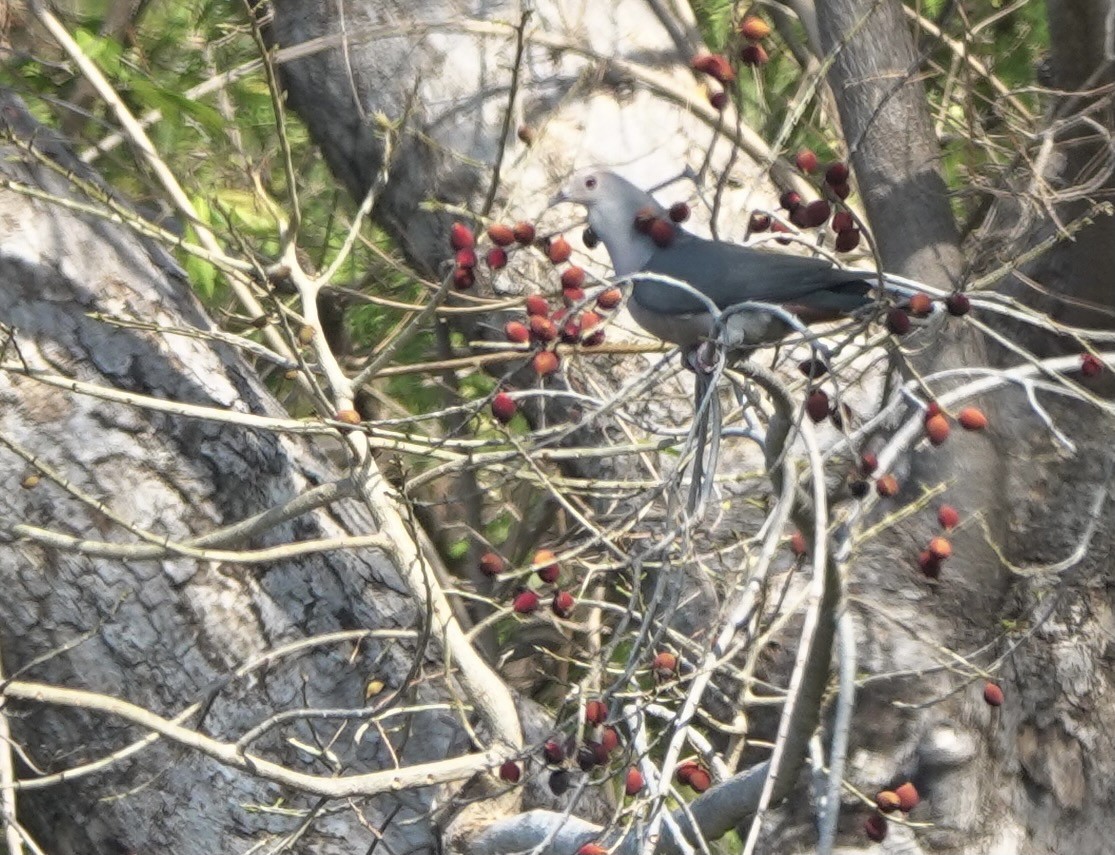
(629, 249)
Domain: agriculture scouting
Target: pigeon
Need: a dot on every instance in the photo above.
(640, 238)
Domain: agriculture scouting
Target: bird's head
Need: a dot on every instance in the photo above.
(613, 203)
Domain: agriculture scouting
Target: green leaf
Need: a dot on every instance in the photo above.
(498, 528)
(104, 52)
(714, 18)
(172, 104)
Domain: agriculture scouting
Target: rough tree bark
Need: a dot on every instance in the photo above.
(169, 631)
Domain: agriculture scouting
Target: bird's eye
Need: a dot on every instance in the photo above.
(590, 183)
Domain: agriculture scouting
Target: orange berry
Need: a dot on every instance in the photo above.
(887, 486)
(937, 429)
(754, 28)
(972, 418)
(545, 362)
(908, 797)
(940, 548)
(633, 783)
(500, 234)
(887, 800)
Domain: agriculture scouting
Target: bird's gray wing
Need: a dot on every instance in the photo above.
(728, 273)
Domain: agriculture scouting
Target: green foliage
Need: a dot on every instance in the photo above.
(714, 18)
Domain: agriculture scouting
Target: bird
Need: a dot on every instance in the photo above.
(641, 239)
(726, 274)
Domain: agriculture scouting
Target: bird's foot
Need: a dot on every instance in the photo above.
(701, 358)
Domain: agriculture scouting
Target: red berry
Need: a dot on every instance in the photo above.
(754, 28)
(633, 783)
(753, 55)
(847, 240)
(957, 304)
(932, 409)
(546, 562)
(572, 296)
(947, 516)
(790, 200)
(496, 258)
(817, 213)
(525, 602)
(759, 222)
(596, 712)
(1090, 365)
(526, 134)
(898, 322)
(542, 328)
(937, 429)
(545, 362)
(700, 780)
(466, 258)
(609, 299)
(887, 486)
(993, 694)
(842, 221)
(524, 233)
(662, 232)
(590, 320)
(679, 212)
(685, 769)
(510, 772)
(517, 332)
(460, 236)
(571, 331)
(929, 565)
(463, 278)
(537, 305)
(817, 405)
(798, 546)
(841, 191)
(500, 234)
(875, 828)
(563, 604)
(504, 407)
(868, 462)
(716, 66)
(806, 160)
(491, 564)
(592, 849)
(609, 739)
(559, 250)
(573, 277)
(837, 173)
(553, 752)
(908, 797)
(920, 305)
(559, 784)
(972, 418)
(664, 665)
(813, 368)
